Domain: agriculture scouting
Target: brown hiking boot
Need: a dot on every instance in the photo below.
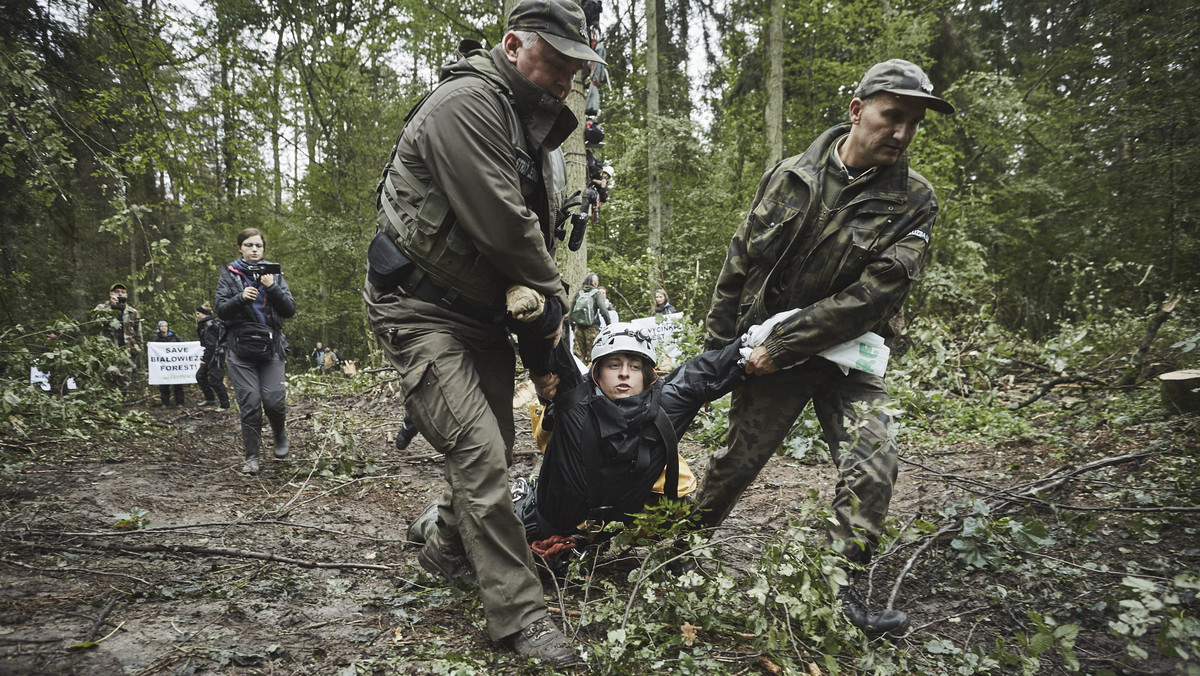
(454, 566)
(542, 640)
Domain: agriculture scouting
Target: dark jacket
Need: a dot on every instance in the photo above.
(209, 332)
(274, 303)
(849, 278)
(499, 230)
(572, 487)
(171, 337)
(664, 309)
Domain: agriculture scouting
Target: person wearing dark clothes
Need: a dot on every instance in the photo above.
(253, 304)
(613, 411)
(211, 374)
(166, 335)
(662, 303)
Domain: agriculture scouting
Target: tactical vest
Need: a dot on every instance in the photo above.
(426, 229)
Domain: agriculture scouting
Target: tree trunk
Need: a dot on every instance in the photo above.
(573, 264)
(1181, 391)
(774, 112)
(653, 193)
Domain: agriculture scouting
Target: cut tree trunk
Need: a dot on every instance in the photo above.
(1181, 391)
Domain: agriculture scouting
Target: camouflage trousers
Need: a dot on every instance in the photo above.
(458, 385)
(584, 337)
(850, 410)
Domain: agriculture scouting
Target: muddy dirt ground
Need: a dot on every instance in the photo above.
(301, 569)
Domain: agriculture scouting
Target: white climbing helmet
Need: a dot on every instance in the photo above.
(608, 169)
(624, 337)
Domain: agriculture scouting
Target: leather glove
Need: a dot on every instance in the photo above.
(524, 303)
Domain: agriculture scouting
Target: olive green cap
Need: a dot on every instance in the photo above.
(559, 22)
(902, 78)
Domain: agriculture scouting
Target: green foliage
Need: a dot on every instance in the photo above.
(72, 354)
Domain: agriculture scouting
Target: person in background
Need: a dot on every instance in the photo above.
(838, 233)
(467, 209)
(125, 329)
(166, 335)
(589, 312)
(211, 374)
(318, 356)
(253, 305)
(662, 303)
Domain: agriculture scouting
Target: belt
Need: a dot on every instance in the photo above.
(430, 292)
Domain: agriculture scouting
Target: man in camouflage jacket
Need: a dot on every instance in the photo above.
(840, 232)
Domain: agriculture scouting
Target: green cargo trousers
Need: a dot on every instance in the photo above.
(458, 385)
(762, 412)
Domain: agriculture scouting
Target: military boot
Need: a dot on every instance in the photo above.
(542, 640)
(887, 621)
(440, 559)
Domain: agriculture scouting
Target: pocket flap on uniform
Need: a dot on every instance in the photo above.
(387, 265)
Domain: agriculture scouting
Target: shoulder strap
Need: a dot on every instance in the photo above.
(663, 423)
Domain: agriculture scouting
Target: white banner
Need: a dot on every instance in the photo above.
(662, 328)
(173, 363)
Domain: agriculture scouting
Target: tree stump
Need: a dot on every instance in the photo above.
(1181, 391)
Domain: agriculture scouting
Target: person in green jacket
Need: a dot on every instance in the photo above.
(467, 209)
(839, 233)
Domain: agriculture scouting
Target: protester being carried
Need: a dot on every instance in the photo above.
(253, 299)
(166, 335)
(211, 374)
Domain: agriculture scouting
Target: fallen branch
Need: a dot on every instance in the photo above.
(91, 636)
(1045, 387)
(211, 551)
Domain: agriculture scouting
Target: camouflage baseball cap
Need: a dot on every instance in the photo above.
(902, 78)
(559, 22)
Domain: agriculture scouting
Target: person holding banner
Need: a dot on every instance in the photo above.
(166, 335)
(253, 300)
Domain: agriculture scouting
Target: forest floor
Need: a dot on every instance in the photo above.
(153, 554)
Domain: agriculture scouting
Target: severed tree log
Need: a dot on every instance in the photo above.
(1139, 356)
(1181, 391)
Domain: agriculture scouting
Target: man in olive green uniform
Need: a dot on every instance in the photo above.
(124, 329)
(467, 210)
(839, 233)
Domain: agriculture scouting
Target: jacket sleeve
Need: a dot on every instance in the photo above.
(229, 297)
(866, 303)
(281, 298)
(464, 145)
(707, 376)
(723, 313)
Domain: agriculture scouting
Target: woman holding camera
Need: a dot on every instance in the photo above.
(253, 300)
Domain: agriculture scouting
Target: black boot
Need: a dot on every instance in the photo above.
(250, 441)
(883, 622)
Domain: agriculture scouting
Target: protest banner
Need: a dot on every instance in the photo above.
(173, 363)
(663, 329)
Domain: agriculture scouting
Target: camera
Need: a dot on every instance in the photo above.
(258, 269)
(578, 228)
